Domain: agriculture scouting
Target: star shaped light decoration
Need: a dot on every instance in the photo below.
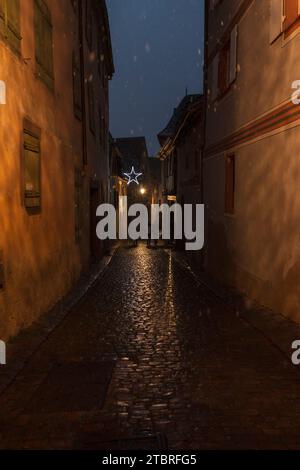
(133, 176)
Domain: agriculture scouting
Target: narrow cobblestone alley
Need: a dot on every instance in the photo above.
(148, 352)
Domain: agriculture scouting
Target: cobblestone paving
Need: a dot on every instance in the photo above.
(182, 363)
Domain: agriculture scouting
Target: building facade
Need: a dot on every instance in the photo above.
(181, 152)
(251, 163)
(55, 62)
(118, 182)
(153, 183)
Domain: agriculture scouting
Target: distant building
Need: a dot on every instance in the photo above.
(135, 155)
(56, 60)
(251, 158)
(153, 183)
(118, 182)
(180, 153)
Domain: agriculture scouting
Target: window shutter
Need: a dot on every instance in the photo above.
(276, 14)
(10, 23)
(215, 77)
(43, 42)
(13, 13)
(233, 54)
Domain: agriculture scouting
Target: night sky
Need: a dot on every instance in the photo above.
(158, 53)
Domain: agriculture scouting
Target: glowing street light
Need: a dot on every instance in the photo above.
(143, 191)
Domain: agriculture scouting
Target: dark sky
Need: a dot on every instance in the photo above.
(158, 53)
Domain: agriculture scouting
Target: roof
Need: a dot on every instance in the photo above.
(133, 149)
(183, 116)
(177, 117)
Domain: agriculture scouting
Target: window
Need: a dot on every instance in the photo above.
(32, 168)
(91, 103)
(77, 95)
(77, 205)
(224, 66)
(43, 42)
(284, 18)
(10, 23)
(229, 184)
(291, 13)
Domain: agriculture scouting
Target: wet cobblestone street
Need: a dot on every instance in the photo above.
(173, 359)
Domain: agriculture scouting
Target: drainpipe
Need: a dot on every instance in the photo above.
(82, 68)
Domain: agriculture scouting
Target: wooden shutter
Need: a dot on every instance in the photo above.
(223, 69)
(32, 176)
(43, 42)
(276, 12)
(233, 54)
(10, 23)
(13, 13)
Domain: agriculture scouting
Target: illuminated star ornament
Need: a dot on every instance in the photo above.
(133, 176)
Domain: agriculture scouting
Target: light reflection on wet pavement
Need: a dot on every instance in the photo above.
(182, 363)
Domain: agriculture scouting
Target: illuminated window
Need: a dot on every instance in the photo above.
(10, 23)
(32, 168)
